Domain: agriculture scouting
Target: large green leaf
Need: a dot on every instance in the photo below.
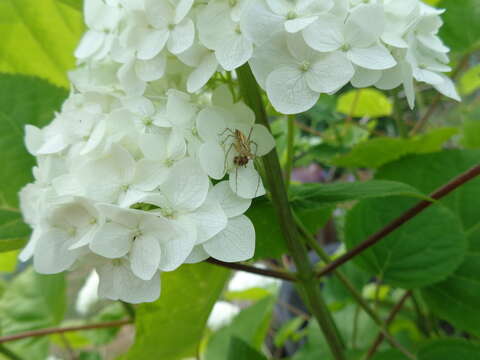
(315, 195)
(250, 326)
(456, 299)
(240, 350)
(172, 327)
(23, 100)
(39, 37)
(314, 204)
(421, 252)
(430, 171)
(453, 349)
(461, 30)
(32, 301)
(382, 150)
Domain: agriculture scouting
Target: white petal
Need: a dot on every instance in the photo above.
(212, 159)
(210, 124)
(235, 243)
(153, 146)
(181, 37)
(365, 77)
(262, 141)
(376, 57)
(289, 92)
(210, 219)
(117, 282)
(231, 204)
(202, 73)
(90, 43)
(182, 9)
(259, 23)
(128, 77)
(150, 174)
(152, 43)
(112, 241)
(187, 186)
(52, 254)
(145, 256)
(391, 78)
(365, 25)
(176, 249)
(197, 255)
(246, 182)
(330, 73)
(325, 34)
(298, 24)
(234, 51)
(150, 70)
(448, 89)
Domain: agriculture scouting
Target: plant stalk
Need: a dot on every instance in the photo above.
(307, 283)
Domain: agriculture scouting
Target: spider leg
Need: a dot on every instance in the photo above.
(226, 157)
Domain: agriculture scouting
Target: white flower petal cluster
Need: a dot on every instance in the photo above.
(151, 163)
(306, 48)
(139, 185)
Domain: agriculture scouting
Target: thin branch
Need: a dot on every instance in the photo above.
(391, 317)
(405, 217)
(50, 331)
(282, 275)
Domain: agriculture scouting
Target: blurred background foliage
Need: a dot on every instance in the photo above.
(360, 158)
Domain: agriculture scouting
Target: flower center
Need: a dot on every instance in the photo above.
(305, 66)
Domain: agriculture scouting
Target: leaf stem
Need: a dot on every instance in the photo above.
(402, 219)
(391, 317)
(50, 331)
(282, 275)
(308, 285)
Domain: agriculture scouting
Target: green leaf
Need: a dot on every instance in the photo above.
(39, 38)
(8, 261)
(419, 253)
(314, 195)
(471, 134)
(240, 350)
(461, 30)
(456, 299)
(366, 102)
(287, 330)
(454, 349)
(250, 325)
(391, 354)
(470, 81)
(430, 171)
(313, 203)
(172, 327)
(32, 301)
(23, 100)
(382, 150)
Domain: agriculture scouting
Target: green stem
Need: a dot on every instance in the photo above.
(129, 309)
(308, 285)
(290, 149)
(351, 289)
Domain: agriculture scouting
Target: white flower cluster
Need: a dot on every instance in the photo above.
(150, 163)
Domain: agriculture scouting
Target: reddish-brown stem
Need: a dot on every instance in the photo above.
(254, 270)
(393, 314)
(50, 331)
(405, 217)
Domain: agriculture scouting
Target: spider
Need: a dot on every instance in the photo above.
(242, 144)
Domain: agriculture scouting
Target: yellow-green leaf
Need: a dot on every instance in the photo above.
(470, 81)
(39, 38)
(365, 102)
